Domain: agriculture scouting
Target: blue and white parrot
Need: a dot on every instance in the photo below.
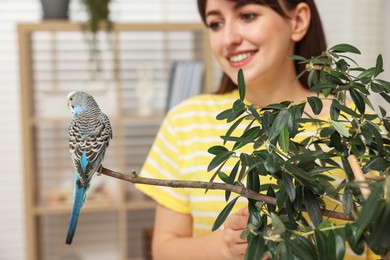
(89, 135)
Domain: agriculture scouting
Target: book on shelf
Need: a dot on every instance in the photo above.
(186, 80)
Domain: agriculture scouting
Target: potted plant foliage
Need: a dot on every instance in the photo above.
(98, 14)
(353, 139)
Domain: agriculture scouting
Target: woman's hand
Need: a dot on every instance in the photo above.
(234, 247)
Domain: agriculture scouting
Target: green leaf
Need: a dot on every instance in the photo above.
(241, 84)
(334, 80)
(253, 181)
(277, 225)
(340, 48)
(231, 178)
(339, 75)
(385, 96)
(223, 176)
(340, 107)
(377, 163)
(279, 123)
(366, 132)
(380, 233)
(224, 114)
(313, 207)
(378, 137)
(358, 100)
(296, 112)
(315, 104)
(224, 214)
(327, 131)
(303, 177)
(298, 202)
(356, 243)
(377, 88)
(238, 105)
(339, 247)
(217, 149)
(331, 247)
(254, 214)
(218, 159)
(322, 245)
(321, 87)
(297, 57)
(384, 83)
(340, 128)
(368, 73)
(273, 163)
(232, 128)
(234, 115)
(271, 193)
(334, 110)
(253, 111)
(284, 139)
(288, 186)
(247, 137)
(256, 248)
(347, 168)
(379, 65)
(369, 210)
(347, 200)
(342, 65)
(383, 111)
(312, 79)
(306, 248)
(386, 124)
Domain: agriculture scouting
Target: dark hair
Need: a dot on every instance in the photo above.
(312, 44)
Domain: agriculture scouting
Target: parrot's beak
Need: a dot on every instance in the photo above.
(70, 107)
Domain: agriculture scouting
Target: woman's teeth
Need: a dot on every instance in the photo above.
(240, 57)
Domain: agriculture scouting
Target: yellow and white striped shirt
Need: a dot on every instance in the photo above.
(180, 153)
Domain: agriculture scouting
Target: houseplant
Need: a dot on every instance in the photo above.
(352, 140)
(98, 18)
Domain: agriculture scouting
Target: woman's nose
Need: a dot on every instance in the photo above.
(232, 34)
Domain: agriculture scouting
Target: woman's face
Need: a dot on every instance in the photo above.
(252, 37)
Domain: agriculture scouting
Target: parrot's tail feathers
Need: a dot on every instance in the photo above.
(86, 188)
(77, 205)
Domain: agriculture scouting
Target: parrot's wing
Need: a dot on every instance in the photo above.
(97, 142)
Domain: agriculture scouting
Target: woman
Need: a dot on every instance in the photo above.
(256, 36)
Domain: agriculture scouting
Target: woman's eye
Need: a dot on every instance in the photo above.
(215, 25)
(248, 16)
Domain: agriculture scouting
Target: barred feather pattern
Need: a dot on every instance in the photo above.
(90, 132)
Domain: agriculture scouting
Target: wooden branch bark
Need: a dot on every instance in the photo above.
(247, 193)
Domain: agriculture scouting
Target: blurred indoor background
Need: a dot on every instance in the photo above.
(117, 222)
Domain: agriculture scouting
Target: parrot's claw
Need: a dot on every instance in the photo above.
(99, 172)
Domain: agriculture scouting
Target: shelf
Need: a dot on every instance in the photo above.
(140, 205)
(53, 62)
(66, 208)
(94, 207)
(60, 25)
(128, 118)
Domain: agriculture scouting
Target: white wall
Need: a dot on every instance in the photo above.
(358, 22)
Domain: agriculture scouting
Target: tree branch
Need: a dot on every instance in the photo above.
(247, 193)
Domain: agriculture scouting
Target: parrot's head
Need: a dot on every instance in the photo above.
(79, 101)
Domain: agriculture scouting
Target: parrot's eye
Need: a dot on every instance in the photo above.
(70, 99)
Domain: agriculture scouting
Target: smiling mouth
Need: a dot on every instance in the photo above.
(240, 57)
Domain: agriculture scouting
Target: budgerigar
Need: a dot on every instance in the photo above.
(89, 135)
